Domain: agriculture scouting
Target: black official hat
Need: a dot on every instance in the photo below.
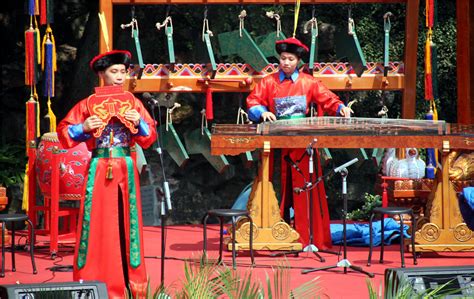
(102, 61)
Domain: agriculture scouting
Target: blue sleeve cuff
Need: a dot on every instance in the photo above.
(255, 112)
(339, 109)
(76, 132)
(143, 129)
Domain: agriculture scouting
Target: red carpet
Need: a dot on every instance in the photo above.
(186, 242)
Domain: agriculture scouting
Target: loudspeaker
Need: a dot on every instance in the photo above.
(72, 290)
(459, 280)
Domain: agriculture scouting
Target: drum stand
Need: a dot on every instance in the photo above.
(344, 263)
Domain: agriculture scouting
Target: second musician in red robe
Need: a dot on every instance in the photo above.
(287, 94)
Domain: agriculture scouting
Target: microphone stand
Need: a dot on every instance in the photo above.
(308, 189)
(165, 197)
(344, 262)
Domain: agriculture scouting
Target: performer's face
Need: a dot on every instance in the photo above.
(288, 62)
(114, 75)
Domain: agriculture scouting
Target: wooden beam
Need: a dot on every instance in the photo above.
(153, 2)
(192, 84)
(411, 47)
(464, 61)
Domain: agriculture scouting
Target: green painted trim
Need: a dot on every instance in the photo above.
(169, 39)
(138, 48)
(86, 217)
(133, 214)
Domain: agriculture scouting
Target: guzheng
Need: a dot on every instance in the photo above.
(339, 132)
(443, 228)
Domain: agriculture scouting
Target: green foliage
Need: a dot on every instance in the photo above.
(403, 289)
(12, 164)
(370, 202)
(205, 279)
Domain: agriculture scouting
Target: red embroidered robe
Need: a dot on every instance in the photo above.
(109, 240)
(287, 99)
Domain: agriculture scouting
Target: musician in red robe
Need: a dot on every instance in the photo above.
(288, 94)
(109, 243)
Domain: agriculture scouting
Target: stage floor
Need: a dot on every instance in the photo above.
(183, 242)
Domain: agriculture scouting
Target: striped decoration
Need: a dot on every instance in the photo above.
(46, 12)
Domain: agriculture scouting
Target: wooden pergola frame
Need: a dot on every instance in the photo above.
(405, 82)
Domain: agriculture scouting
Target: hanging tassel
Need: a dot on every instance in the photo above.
(37, 44)
(52, 117)
(46, 12)
(31, 120)
(50, 11)
(42, 12)
(428, 68)
(103, 27)
(35, 96)
(209, 106)
(31, 7)
(48, 63)
(429, 13)
(25, 200)
(109, 174)
(37, 9)
(430, 152)
(296, 16)
(434, 69)
(30, 61)
(32, 53)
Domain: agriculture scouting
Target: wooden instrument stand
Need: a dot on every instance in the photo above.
(270, 232)
(444, 229)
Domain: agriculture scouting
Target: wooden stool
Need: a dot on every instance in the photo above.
(4, 218)
(220, 214)
(392, 211)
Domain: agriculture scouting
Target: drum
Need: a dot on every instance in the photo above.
(73, 166)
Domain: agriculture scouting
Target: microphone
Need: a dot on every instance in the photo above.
(292, 163)
(166, 188)
(309, 149)
(298, 190)
(150, 99)
(343, 166)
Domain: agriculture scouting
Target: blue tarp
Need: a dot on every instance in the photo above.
(358, 233)
(466, 206)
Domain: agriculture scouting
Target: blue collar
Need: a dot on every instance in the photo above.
(293, 76)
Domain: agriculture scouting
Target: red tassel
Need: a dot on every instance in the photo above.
(43, 12)
(429, 87)
(431, 13)
(30, 63)
(209, 108)
(428, 68)
(31, 107)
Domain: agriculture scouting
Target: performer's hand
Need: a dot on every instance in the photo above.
(346, 112)
(91, 123)
(133, 116)
(268, 116)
